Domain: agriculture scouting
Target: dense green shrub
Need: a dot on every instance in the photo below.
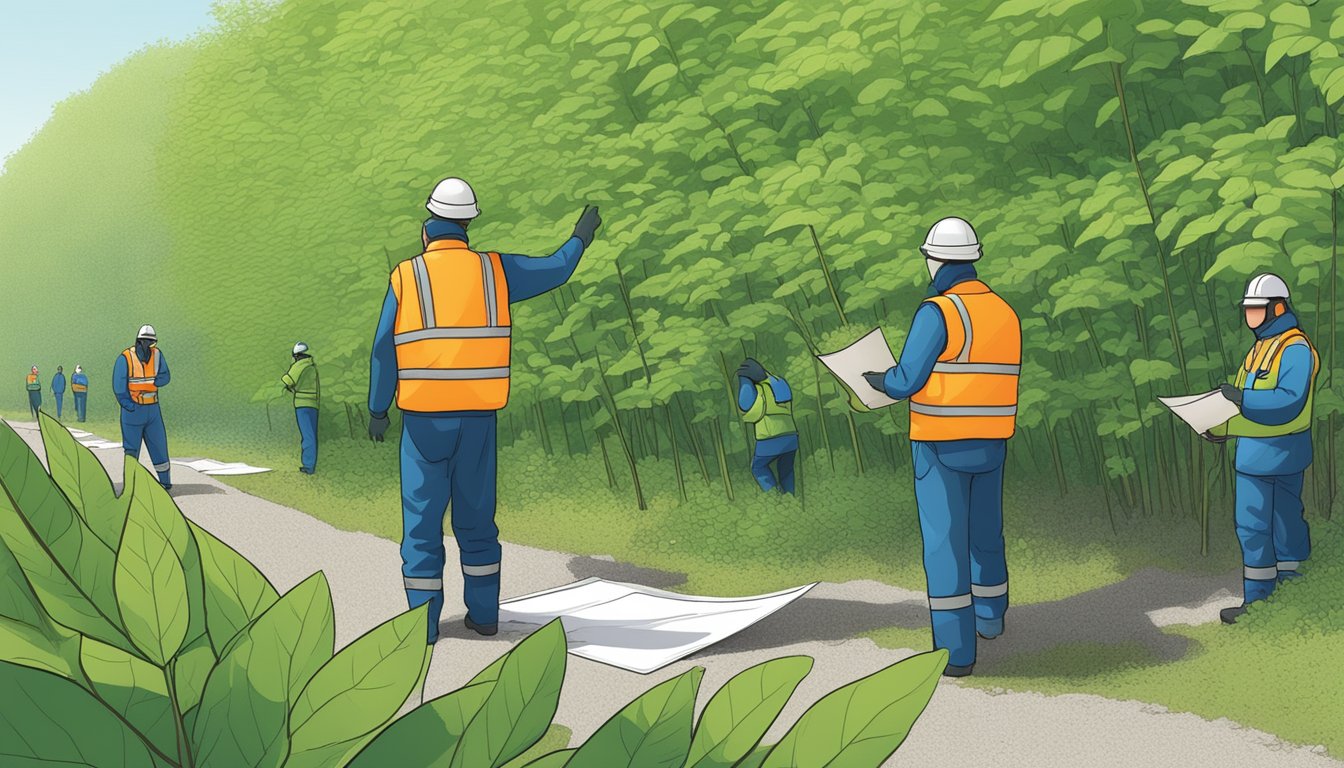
(130, 636)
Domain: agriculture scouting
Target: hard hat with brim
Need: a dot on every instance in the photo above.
(1263, 290)
(951, 239)
(951, 252)
(453, 198)
(147, 332)
(300, 348)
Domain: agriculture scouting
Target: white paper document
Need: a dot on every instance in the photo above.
(218, 468)
(1201, 412)
(871, 353)
(639, 628)
(98, 444)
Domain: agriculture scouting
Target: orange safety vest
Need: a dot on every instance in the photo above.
(972, 391)
(79, 387)
(452, 330)
(140, 376)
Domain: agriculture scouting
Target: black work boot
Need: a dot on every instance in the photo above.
(953, 670)
(481, 629)
(1230, 615)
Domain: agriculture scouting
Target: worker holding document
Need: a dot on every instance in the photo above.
(1273, 392)
(959, 368)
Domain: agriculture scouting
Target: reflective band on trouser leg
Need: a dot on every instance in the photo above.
(994, 590)
(1261, 574)
(480, 570)
(164, 467)
(963, 410)
(428, 585)
(954, 603)
(1289, 565)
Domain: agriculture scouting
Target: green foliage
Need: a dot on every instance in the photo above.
(273, 693)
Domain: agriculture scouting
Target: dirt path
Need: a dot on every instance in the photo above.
(963, 726)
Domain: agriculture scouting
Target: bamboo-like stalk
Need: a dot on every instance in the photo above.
(676, 452)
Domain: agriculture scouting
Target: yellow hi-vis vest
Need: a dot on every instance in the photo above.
(452, 330)
(140, 376)
(1263, 360)
(972, 391)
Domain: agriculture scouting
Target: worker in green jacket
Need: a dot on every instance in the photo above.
(302, 381)
(766, 403)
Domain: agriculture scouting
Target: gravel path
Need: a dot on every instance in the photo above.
(963, 726)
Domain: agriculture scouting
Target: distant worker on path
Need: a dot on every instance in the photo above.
(58, 389)
(302, 381)
(960, 369)
(34, 387)
(1273, 389)
(442, 347)
(79, 386)
(137, 375)
(766, 403)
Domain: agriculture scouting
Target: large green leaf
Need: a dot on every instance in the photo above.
(738, 716)
(556, 759)
(358, 692)
(653, 731)
(235, 591)
(522, 703)
(427, 735)
(153, 562)
(864, 722)
(27, 636)
(48, 720)
(134, 688)
(244, 709)
(82, 479)
(69, 569)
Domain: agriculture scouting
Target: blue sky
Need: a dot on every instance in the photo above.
(50, 49)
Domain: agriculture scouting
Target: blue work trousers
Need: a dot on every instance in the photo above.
(307, 418)
(34, 402)
(450, 460)
(60, 401)
(81, 404)
(145, 425)
(959, 491)
(1275, 539)
(777, 451)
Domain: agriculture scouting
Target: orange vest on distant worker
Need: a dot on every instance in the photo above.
(452, 330)
(972, 391)
(140, 376)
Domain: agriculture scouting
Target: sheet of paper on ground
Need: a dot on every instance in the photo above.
(1201, 412)
(214, 468)
(871, 353)
(97, 443)
(640, 628)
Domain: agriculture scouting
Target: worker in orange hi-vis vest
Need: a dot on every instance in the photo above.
(442, 350)
(959, 368)
(138, 374)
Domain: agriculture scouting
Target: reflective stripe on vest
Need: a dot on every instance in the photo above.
(972, 389)
(1264, 360)
(140, 376)
(452, 330)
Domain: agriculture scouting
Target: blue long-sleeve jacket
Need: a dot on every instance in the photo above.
(120, 374)
(80, 379)
(58, 384)
(1285, 454)
(926, 341)
(526, 277)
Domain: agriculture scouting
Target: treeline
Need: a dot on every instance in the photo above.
(766, 171)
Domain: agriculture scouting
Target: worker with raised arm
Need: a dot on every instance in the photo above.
(959, 368)
(442, 350)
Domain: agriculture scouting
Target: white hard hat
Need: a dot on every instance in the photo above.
(1263, 289)
(300, 348)
(147, 332)
(952, 239)
(453, 198)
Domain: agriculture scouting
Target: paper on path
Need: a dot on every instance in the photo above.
(639, 628)
(97, 443)
(215, 468)
(870, 353)
(1201, 412)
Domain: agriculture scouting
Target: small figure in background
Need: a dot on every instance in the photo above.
(766, 403)
(79, 386)
(302, 381)
(34, 387)
(58, 389)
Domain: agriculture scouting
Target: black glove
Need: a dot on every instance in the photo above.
(1231, 393)
(129, 408)
(752, 371)
(378, 427)
(875, 380)
(589, 221)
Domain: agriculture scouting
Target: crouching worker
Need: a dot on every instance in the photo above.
(766, 403)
